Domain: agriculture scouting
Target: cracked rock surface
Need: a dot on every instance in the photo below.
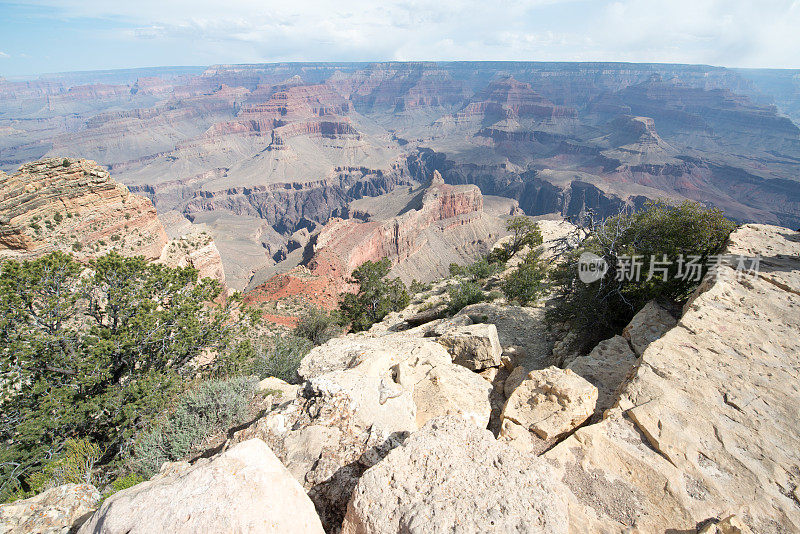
(707, 424)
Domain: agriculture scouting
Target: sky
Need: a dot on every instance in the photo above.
(42, 36)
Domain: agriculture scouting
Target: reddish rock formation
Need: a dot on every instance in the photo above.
(508, 98)
(74, 206)
(353, 242)
(344, 244)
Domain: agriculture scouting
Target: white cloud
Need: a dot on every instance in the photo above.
(722, 32)
(3, 54)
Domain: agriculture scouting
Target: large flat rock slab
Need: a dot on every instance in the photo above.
(451, 477)
(245, 489)
(707, 427)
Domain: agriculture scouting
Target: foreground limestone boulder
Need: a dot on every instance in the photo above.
(707, 425)
(282, 390)
(453, 477)
(445, 325)
(517, 326)
(652, 322)
(551, 402)
(362, 396)
(245, 489)
(516, 377)
(56, 511)
(476, 347)
(606, 367)
(611, 361)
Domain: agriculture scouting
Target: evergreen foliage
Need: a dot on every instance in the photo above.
(376, 296)
(92, 353)
(660, 231)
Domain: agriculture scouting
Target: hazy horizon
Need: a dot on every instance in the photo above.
(55, 36)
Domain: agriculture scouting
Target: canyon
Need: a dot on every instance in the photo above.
(262, 157)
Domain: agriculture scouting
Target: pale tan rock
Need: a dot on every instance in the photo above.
(517, 326)
(649, 324)
(441, 388)
(520, 438)
(58, 510)
(515, 378)
(285, 391)
(245, 489)
(606, 367)
(446, 325)
(729, 525)
(194, 249)
(551, 402)
(707, 425)
(363, 394)
(475, 346)
(321, 439)
(453, 477)
(512, 357)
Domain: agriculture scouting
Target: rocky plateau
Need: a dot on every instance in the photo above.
(479, 422)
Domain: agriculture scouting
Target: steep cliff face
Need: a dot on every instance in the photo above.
(508, 98)
(292, 205)
(247, 146)
(442, 224)
(355, 242)
(195, 249)
(74, 206)
(536, 194)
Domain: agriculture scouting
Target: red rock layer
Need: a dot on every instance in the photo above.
(508, 98)
(74, 206)
(344, 244)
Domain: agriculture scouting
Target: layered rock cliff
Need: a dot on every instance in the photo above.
(442, 224)
(74, 206)
(354, 242)
(262, 146)
(705, 427)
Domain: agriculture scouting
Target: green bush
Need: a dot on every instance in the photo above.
(601, 309)
(277, 355)
(463, 294)
(417, 287)
(524, 233)
(124, 482)
(376, 296)
(213, 406)
(479, 270)
(93, 355)
(74, 464)
(318, 325)
(525, 284)
(282, 358)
